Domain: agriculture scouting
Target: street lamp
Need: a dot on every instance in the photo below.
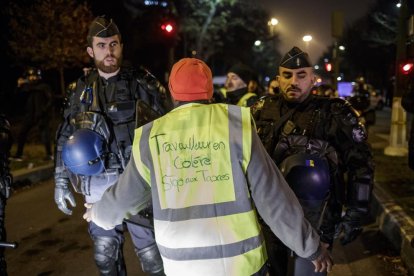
(272, 24)
(307, 39)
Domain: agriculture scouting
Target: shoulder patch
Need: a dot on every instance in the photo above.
(359, 133)
(265, 108)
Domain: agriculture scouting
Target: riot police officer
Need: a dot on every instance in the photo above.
(37, 111)
(94, 143)
(5, 182)
(318, 143)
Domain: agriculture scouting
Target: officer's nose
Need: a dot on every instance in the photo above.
(294, 80)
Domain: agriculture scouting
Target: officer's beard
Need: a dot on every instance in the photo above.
(100, 64)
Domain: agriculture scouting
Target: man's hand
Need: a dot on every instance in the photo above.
(88, 215)
(324, 261)
(62, 193)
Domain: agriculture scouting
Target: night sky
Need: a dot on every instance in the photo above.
(300, 17)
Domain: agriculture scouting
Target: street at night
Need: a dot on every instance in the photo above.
(225, 137)
(51, 243)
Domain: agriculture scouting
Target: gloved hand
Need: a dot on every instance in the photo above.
(62, 193)
(350, 226)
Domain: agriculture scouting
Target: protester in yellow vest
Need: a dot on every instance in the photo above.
(239, 77)
(207, 172)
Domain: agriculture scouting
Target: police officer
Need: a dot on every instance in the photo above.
(317, 143)
(94, 143)
(407, 102)
(5, 182)
(37, 112)
(204, 166)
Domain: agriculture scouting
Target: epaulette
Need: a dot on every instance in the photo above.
(146, 79)
(344, 111)
(339, 105)
(267, 107)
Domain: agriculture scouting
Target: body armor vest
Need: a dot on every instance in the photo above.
(108, 109)
(309, 164)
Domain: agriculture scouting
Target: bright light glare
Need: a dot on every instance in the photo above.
(167, 27)
(307, 38)
(407, 67)
(273, 22)
(257, 43)
(342, 47)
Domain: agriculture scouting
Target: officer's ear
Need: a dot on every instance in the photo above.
(90, 51)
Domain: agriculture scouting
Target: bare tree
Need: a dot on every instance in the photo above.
(51, 34)
(208, 26)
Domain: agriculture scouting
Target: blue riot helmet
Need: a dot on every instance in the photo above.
(307, 175)
(83, 152)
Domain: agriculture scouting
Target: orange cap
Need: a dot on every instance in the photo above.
(191, 80)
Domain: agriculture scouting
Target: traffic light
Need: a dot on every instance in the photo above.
(407, 67)
(168, 27)
(328, 67)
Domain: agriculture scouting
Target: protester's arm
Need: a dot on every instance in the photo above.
(280, 209)
(124, 199)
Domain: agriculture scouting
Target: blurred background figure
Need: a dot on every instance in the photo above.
(326, 90)
(360, 99)
(407, 103)
(37, 112)
(273, 87)
(255, 87)
(237, 91)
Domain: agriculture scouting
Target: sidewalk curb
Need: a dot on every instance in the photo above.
(396, 225)
(33, 175)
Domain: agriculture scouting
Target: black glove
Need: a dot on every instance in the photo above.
(63, 193)
(350, 226)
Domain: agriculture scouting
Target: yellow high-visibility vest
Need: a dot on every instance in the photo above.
(195, 160)
(243, 100)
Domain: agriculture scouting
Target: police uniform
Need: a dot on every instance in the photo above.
(38, 107)
(94, 146)
(5, 182)
(203, 165)
(317, 144)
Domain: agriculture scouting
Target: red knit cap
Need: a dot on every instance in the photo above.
(191, 80)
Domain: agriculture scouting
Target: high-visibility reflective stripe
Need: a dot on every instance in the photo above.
(211, 252)
(240, 151)
(207, 231)
(140, 138)
(242, 265)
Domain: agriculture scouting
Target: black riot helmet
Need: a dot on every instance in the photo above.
(308, 175)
